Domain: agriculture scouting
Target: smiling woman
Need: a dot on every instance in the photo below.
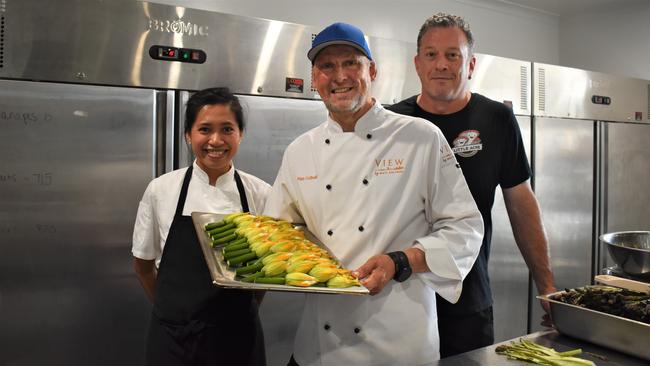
(187, 325)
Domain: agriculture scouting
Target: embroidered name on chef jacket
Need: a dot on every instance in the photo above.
(467, 143)
(389, 166)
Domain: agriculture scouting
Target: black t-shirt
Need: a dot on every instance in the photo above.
(487, 142)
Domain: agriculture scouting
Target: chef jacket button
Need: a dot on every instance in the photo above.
(361, 228)
(326, 326)
(327, 141)
(357, 330)
(365, 181)
(328, 187)
(330, 232)
(368, 136)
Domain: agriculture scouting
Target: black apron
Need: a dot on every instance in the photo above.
(194, 322)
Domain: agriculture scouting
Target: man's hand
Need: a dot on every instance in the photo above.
(547, 320)
(376, 272)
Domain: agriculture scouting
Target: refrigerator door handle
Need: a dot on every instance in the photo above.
(163, 132)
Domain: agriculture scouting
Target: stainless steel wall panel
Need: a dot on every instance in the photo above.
(396, 76)
(564, 182)
(565, 92)
(75, 162)
(507, 269)
(504, 80)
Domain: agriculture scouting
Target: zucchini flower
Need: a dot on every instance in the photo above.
(262, 248)
(283, 246)
(281, 256)
(303, 266)
(300, 279)
(228, 218)
(240, 219)
(342, 281)
(323, 272)
(301, 256)
(274, 268)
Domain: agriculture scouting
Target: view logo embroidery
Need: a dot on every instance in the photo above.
(307, 177)
(389, 166)
(468, 143)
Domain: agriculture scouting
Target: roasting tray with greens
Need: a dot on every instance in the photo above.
(262, 253)
(611, 300)
(608, 316)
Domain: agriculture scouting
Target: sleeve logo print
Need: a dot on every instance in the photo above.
(468, 143)
(389, 166)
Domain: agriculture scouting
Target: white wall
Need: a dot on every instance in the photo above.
(499, 29)
(615, 42)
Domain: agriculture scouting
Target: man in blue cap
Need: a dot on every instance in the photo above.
(384, 193)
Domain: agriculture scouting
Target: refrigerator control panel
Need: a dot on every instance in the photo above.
(166, 53)
(599, 99)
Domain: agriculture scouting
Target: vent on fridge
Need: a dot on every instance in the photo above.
(3, 8)
(311, 80)
(541, 89)
(523, 71)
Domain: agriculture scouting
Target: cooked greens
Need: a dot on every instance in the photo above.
(611, 300)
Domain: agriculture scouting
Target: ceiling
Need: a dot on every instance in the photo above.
(564, 8)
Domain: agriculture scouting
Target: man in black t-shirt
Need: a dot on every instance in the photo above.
(487, 142)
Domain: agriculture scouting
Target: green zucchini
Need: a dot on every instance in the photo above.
(249, 269)
(231, 248)
(241, 259)
(223, 240)
(222, 234)
(214, 225)
(221, 229)
(236, 253)
(270, 280)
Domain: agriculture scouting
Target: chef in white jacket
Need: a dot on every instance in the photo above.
(384, 193)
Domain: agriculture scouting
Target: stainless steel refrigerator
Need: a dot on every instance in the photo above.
(508, 81)
(591, 167)
(92, 98)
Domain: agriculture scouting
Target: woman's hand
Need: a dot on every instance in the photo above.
(146, 272)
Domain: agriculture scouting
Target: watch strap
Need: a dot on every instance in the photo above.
(402, 265)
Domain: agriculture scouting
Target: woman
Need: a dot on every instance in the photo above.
(193, 322)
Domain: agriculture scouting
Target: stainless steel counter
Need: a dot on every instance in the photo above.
(549, 338)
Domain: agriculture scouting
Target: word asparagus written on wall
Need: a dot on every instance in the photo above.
(26, 117)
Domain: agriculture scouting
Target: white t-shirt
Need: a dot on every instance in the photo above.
(158, 204)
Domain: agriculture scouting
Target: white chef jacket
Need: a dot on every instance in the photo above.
(391, 184)
(158, 204)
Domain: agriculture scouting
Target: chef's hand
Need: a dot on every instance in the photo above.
(376, 272)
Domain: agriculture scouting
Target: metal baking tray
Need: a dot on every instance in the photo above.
(223, 276)
(622, 334)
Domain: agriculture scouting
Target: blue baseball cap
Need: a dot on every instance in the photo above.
(339, 33)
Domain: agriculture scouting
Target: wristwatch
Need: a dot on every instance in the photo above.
(402, 266)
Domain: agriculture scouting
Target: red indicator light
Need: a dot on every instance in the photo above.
(171, 53)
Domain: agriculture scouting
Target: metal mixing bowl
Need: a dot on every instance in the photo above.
(630, 250)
